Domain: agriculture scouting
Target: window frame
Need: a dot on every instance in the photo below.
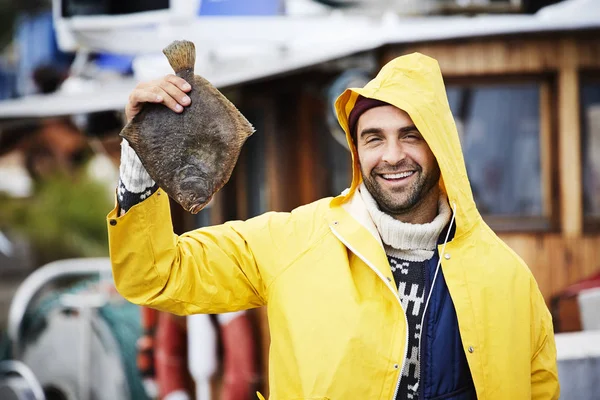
(591, 224)
(549, 222)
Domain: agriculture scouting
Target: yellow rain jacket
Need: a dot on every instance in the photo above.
(337, 328)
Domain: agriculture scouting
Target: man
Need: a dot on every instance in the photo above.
(395, 289)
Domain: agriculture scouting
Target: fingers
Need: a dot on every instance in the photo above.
(179, 82)
(174, 97)
(139, 96)
(170, 90)
(136, 100)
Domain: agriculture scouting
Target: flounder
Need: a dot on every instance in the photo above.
(190, 155)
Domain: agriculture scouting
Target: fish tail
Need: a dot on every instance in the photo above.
(181, 55)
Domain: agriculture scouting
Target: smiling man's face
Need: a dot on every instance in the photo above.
(397, 166)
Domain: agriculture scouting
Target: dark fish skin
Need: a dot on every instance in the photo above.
(190, 155)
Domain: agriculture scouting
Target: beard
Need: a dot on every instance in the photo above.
(399, 201)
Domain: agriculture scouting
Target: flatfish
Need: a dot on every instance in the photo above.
(191, 154)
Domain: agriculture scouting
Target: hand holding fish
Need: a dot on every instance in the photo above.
(190, 153)
(169, 90)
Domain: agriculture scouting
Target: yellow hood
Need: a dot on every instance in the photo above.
(414, 84)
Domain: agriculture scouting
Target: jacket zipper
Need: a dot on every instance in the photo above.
(395, 292)
(423, 339)
(423, 319)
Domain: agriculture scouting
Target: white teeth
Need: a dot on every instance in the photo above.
(398, 176)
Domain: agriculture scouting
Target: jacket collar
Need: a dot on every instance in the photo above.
(357, 208)
(351, 221)
(352, 224)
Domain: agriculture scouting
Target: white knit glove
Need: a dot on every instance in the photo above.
(135, 185)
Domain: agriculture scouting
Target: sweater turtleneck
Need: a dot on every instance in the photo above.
(411, 242)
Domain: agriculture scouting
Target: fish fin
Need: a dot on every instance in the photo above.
(131, 133)
(244, 127)
(181, 55)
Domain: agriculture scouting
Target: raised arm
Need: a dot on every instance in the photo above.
(205, 271)
(209, 270)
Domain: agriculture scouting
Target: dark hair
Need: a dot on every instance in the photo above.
(353, 135)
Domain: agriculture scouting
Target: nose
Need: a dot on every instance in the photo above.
(393, 153)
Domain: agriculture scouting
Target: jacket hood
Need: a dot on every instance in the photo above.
(414, 84)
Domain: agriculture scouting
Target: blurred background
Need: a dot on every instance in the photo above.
(523, 82)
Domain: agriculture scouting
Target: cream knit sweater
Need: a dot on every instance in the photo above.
(411, 242)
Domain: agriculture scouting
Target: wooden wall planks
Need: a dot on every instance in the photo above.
(557, 261)
(509, 55)
(569, 140)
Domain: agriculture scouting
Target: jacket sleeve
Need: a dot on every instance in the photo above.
(544, 374)
(209, 270)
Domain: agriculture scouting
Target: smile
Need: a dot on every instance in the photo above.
(399, 175)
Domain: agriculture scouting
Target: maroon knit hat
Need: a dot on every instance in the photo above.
(362, 105)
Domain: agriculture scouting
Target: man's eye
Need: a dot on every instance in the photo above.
(372, 140)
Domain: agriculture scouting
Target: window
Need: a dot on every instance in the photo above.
(500, 132)
(590, 128)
